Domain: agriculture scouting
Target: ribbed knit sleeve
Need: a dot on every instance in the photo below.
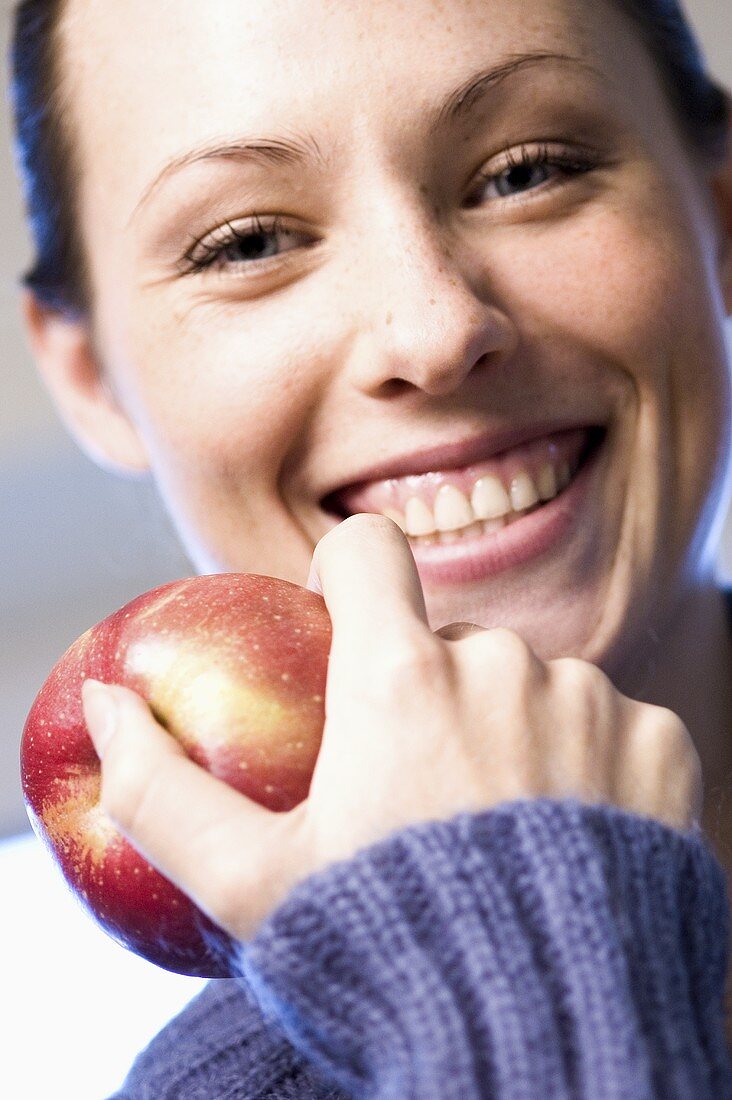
(542, 949)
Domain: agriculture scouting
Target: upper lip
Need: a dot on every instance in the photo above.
(456, 455)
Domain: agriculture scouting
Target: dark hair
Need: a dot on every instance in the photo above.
(45, 151)
(45, 157)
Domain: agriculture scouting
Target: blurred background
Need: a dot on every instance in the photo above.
(77, 544)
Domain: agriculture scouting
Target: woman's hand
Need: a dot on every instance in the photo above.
(419, 726)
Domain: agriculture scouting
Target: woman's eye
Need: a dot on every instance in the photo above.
(532, 170)
(521, 178)
(245, 246)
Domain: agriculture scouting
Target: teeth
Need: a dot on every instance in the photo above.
(489, 509)
(452, 509)
(546, 482)
(491, 525)
(564, 476)
(489, 498)
(418, 518)
(523, 492)
(465, 532)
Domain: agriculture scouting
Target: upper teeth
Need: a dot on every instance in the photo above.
(489, 500)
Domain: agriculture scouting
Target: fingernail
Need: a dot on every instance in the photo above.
(100, 711)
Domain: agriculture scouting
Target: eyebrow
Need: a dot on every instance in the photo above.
(460, 101)
(296, 150)
(292, 151)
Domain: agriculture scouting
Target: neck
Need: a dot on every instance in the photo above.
(690, 672)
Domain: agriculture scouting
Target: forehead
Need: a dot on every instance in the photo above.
(149, 79)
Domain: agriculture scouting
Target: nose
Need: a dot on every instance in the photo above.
(427, 320)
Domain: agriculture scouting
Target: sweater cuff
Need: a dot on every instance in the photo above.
(541, 948)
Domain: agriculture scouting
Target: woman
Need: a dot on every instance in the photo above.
(464, 267)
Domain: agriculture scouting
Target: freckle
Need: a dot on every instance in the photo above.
(389, 317)
(432, 301)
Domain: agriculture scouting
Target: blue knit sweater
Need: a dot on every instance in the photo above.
(540, 950)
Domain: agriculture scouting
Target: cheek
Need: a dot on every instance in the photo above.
(632, 289)
(630, 286)
(220, 411)
(214, 397)
(620, 288)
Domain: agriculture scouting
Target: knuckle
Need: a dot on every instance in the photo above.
(666, 731)
(591, 689)
(678, 741)
(508, 647)
(583, 690)
(581, 673)
(412, 662)
(680, 770)
(667, 750)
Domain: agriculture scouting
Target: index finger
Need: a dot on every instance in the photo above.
(369, 581)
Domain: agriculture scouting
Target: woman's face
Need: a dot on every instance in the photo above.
(424, 287)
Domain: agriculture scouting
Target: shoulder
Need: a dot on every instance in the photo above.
(221, 1048)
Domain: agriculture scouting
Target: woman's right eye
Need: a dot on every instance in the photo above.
(241, 247)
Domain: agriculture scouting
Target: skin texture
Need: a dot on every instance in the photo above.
(402, 316)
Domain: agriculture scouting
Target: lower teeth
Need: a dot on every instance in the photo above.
(482, 527)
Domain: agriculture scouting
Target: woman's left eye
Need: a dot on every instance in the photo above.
(530, 170)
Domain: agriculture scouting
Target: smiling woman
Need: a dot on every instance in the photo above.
(463, 271)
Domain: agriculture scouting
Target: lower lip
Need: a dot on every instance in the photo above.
(537, 533)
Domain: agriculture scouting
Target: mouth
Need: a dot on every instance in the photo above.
(473, 521)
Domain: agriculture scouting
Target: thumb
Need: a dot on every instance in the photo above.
(216, 845)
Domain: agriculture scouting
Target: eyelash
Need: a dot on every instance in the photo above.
(206, 253)
(571, 163)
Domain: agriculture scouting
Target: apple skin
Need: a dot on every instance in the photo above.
(234, 666)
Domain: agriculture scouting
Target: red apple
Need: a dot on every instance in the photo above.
(234, 666)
